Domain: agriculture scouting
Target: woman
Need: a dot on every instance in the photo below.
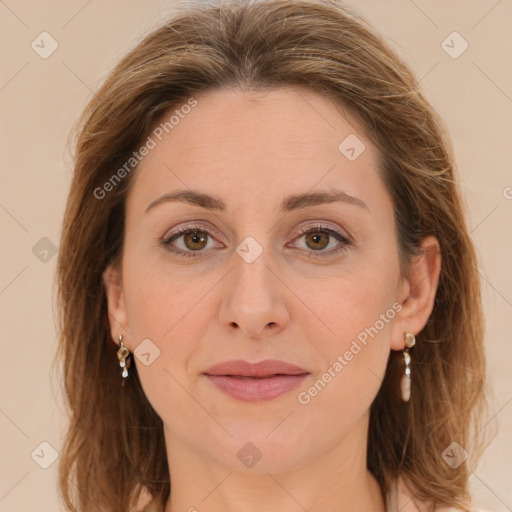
(269, 298)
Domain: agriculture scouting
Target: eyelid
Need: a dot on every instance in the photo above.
(194, 225)
(326, 226)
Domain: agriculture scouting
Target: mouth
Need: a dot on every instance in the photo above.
(246, 377)
(266, 368)
(252, 389)
(250, 382)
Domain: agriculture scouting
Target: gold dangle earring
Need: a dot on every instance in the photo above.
(410, 341)
(123, 354)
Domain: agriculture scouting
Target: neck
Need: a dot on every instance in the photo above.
(336, 481)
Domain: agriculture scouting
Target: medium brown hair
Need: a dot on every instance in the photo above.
(114, 447)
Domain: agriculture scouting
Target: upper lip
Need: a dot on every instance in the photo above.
(262, 369)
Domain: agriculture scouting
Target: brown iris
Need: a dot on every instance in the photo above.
(196, 238)
(318, 237)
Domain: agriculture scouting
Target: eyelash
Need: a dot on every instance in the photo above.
(166, 242)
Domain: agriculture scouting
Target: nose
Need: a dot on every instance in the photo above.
(254, 298)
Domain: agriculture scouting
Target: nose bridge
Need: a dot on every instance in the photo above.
(252, 277)
(253, 297)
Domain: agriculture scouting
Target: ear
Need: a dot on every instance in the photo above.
(417, 292)
(118, 319)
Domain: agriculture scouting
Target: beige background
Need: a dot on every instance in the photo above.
(42, 98)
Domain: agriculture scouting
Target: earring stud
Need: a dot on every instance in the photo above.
(410, 340)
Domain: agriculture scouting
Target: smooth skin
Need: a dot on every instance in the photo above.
(299, 301)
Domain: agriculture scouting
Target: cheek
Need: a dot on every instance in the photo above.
(172, 309)
(160, 310)
(343, 305)
(351, 361)
(356, 311)
(160, 298)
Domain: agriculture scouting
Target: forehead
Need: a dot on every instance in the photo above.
(257, 144)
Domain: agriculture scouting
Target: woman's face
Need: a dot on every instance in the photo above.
(274, 272)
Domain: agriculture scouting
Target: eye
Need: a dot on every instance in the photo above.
(194, 240)
(191, 241)
(318, 237)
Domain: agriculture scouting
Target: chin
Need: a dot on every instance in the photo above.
(259, 449)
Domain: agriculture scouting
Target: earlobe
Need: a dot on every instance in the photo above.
(418, 292)
(112, 281)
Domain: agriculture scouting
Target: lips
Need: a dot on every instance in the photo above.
(255, 382)
(263, 369)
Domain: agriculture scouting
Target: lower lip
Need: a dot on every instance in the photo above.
(252, 390)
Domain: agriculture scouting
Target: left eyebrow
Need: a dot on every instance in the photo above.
(298, 201)
(290, 203)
